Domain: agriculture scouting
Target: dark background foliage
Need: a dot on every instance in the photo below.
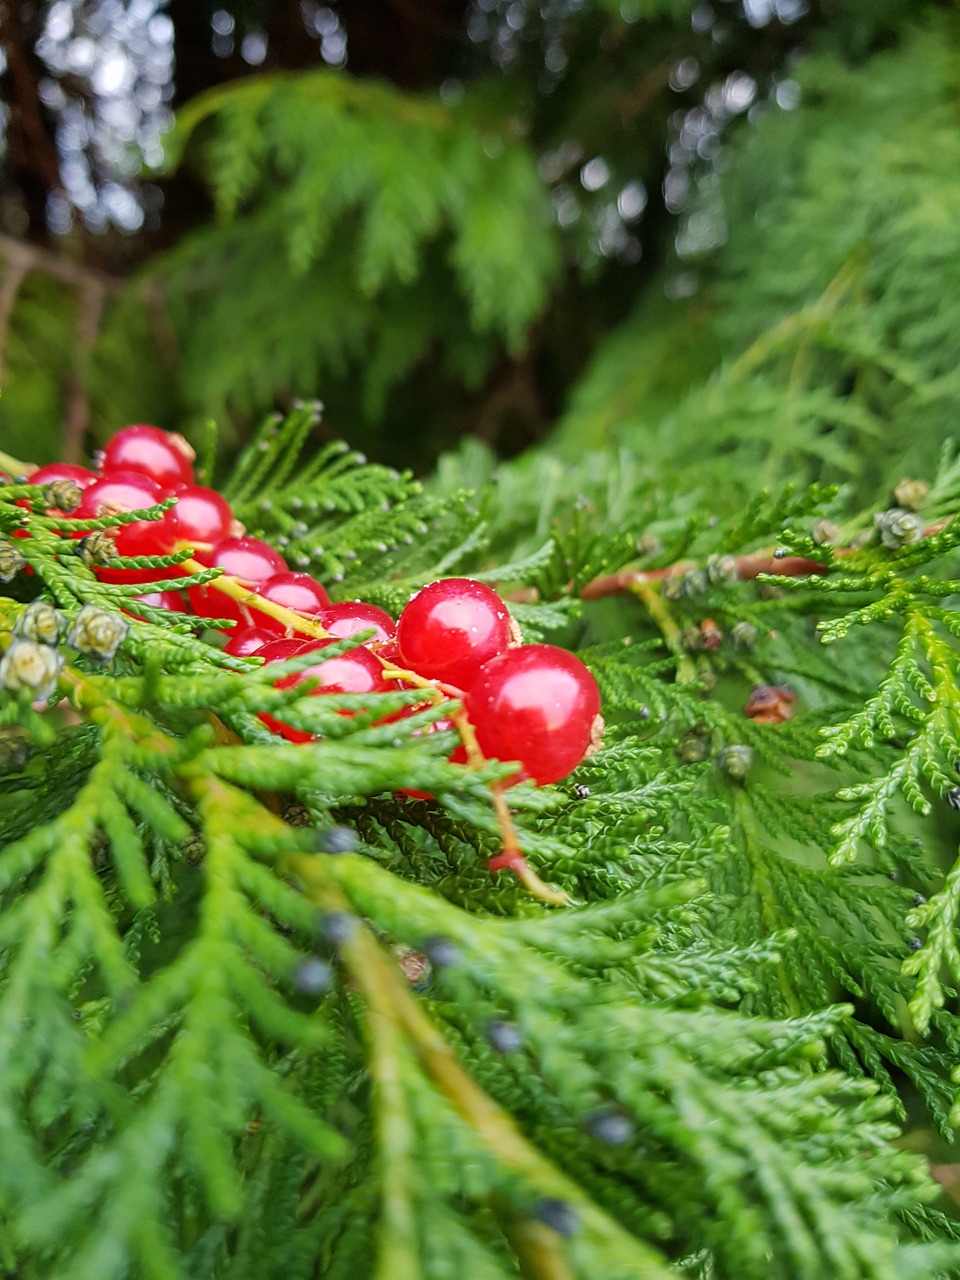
(628, 112)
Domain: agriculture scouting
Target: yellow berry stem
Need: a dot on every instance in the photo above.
(235, 589)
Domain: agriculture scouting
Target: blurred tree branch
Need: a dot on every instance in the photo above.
(93, 287)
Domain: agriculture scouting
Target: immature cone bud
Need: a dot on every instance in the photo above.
(312, 976)
(505, 1037)
(825, 533)
(711, 637)
(721, 569)
(337, 840)
(62, 495)
(694, 746)
(610, 1126)
(911, 494)
(97, 632)
(194, 849)
(30, 666)
(744, 635)
(770, 704)
(443, 953)
(40, 622)
(338, 926)
(696, 583)
(673, 586)
(897, 527)
(296, 815)
(690, 638)
(14, 748)
(735, 761)
(97, 548)
(11, 561)
(414, 964)
(557, 1215)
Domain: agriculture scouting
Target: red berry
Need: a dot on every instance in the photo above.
(125, 491)
(161, 455)
(169, 600)
(245, 641)
(201, 517)
(279, 650)
(249, 560)
(63, 471)
(356, 671)
(450, 628)
(352, 617)
(536, 704)
(296, 591)
(119, 491)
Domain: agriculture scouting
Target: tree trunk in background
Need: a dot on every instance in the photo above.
(31, 164)
(408, 42)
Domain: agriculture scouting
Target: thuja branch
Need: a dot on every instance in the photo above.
(748, 567)
(540, 1252)
(745, 569)
(387, 995)
(657, 608)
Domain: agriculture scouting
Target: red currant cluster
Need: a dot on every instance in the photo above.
(534, 703)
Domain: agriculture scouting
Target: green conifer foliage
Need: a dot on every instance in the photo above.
(417, 224)
(261, 1015)
(823, 339)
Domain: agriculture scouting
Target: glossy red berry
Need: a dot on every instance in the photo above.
(119, 491)
(125, 491)
(245, 641)
(247, 559)
(450, 628)
(276, 650)
(356, 671)
(536, 704)
(201, 517)
(63, 471)
(352, 617)
(172, 601)
(295, 591)
(161, 455)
